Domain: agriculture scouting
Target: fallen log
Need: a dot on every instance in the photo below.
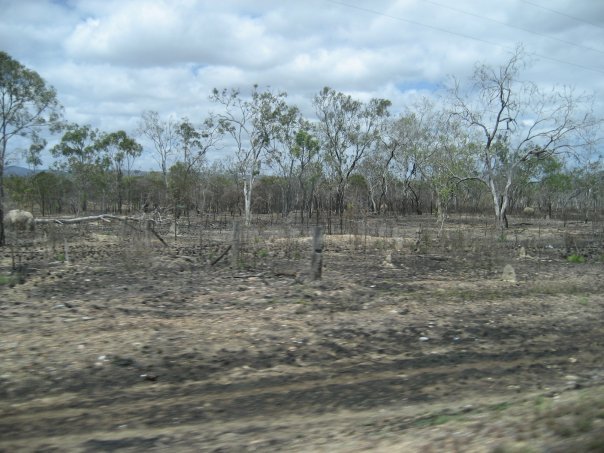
(105, 218)
(92, 218)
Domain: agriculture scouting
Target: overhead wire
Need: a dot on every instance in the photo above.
(560, 13)
(468, 13)
(463, 35)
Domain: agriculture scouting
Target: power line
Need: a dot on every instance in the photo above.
(410, 21)
(450, 32)
(513, 26)
(560, 13)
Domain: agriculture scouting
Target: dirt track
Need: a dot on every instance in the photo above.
(402, 350)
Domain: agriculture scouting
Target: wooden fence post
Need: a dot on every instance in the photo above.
(316, 265)
(66, 250)
(235, 247)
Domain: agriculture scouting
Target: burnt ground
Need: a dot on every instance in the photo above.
(408, 343)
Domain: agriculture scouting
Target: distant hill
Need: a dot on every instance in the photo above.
(14, 170)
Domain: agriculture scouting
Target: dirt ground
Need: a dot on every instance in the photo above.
(409, 342)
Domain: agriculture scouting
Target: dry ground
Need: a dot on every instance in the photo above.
(408, 343)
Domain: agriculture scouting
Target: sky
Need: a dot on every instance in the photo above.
(110, 60)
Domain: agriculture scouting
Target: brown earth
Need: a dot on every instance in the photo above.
(408, 343)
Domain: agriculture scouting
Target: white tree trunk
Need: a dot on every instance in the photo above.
(247, 196)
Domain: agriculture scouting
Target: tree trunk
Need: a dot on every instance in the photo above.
(2, 234)
(247, 197)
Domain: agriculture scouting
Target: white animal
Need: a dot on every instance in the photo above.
(19, 220)
(529, 211)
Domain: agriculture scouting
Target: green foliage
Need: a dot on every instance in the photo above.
(19, 189)
(575, 258)
(348, 129)
(357, 181)
(500, 406)
(8, 280)
(26, 105)
(26, 101)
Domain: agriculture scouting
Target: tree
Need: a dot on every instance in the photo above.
(194, 144)
(252, 125)
(79, 150)
(402, 141)
(281, 156)
(27, 105)
(347, 129)
(162, 134)
(305, 154)
(441, 151)
(118, 149)
(515, 121)
(32, 155)
(48, 190)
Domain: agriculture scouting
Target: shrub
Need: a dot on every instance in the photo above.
(575, 258)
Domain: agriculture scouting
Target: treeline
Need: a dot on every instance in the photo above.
(548, 189)
(495, 143)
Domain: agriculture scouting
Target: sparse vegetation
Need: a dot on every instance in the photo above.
(8, 280)
(171, 314)
(427, 326)
(575, 258)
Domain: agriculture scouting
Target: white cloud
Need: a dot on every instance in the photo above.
(112, 59)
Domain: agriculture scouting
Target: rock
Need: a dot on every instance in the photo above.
(509, 274)
(423, 338)
(388, 261)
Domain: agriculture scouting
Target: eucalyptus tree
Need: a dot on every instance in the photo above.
(78, 154)
(588, 184)
(392, 158)
(347, 129)
(48, 190)
(117, 150)
(444, 157)
(518, 122)
(377, 174)
(27, 105)
(32, 154)
(401, 141)
(253, 125)
(162, 133)
(281, 153)
(193, 145)
(305, 154)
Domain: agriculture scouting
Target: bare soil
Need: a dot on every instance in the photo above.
(410, 342)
